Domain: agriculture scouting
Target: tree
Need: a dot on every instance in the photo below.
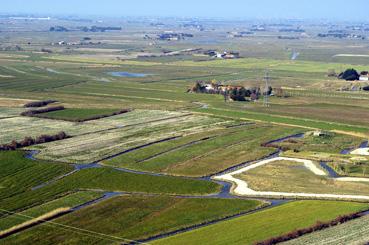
(349, 75)
(254, 96)
(242, 92)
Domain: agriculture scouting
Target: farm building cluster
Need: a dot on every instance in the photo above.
(359, 80)
(230, 92)
(223, 55)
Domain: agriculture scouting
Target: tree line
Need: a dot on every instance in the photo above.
(236, 93)
(28, 141)
(40, 103)
(31, 113)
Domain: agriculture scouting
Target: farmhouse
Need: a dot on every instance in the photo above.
(235, 93)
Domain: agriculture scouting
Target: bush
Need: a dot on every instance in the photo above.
(349, 75)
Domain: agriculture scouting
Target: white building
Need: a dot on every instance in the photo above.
(364, 78)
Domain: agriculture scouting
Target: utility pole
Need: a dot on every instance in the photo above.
(266, 95)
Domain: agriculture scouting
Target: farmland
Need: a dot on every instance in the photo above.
(71, 200)
(85, 148)
(342, 234)
(144, 152)
(135, 217)
(267, 223)
(202, 158)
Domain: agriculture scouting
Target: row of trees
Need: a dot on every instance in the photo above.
(31, 113)
(240, 93)
(28, 141)
(236, 93)
(40, 103)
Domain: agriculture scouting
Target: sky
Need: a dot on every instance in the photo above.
(247, 9)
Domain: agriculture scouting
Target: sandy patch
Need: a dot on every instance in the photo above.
(352, 179)
(361, 151)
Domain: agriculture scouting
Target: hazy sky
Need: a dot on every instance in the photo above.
(306, 9)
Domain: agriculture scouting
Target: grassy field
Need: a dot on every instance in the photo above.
(7, 112)
(332, 143)
(353, 232)
(265, 224)
(68, 201)
(133, 217)
(283, 120)
(288, 176)
(108, 180)
(18, 174)
(207, 156)
(17, 128)
(172, 131)
(86, 148)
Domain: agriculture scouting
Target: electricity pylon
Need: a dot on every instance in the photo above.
(266, 95)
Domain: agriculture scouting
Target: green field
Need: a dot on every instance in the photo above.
(205, 157)
(331, 143)
(70, 201)
(133, 217)
(172, 134)
(18, 174)
(16, 182)
(265, 224)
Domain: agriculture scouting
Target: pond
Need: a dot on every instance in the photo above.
(127, 74)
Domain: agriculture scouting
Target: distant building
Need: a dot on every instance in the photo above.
(225, 55)
(364, 76)
(319, 133)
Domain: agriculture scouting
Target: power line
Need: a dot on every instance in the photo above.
(77, 230)
(266, 90)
